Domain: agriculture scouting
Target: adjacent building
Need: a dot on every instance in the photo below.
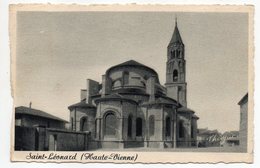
(243, 103)
(37, 130)
(29, 117)
(131, 108)
(230, 138)
(208, 138)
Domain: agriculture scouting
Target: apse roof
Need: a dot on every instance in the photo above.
(114, 96)
(184, 109)
(82, 104)
(133, 63)
(162, 100)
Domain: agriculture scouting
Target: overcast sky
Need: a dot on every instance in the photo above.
(58, 51)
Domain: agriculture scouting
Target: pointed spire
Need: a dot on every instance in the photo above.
(176, 37)
(175, 21)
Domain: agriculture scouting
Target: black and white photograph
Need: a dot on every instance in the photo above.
(169, 81)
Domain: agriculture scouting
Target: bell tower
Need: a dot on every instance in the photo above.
(175, 68)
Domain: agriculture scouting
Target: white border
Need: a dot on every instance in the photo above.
(6, 101)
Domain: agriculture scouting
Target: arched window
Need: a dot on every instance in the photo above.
(83, 124)
(175, 53)
(168, 127)
(110, 124)
(129, 129)
(117, 83)
(175, 75)
(172, 54)
(139, 127)
(181, 129)
(178, 54)
(151, 125)
(125, 77)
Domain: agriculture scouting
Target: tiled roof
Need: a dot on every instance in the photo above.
(195, 116)
(130, 90)
(114, 96)
(244, 99)
(35, 112)
(231, 133)
(176, 37)
(82, 104)
(184, 109)
(206, 131)
(133, 63)
(162, 100)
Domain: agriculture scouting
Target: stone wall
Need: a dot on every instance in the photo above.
(194, 132)
(25, 138)
(156, 139)
(89, 113)
(184, 141)
(66, 140)
(50, 139)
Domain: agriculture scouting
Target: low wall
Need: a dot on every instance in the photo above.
(49, 139)
(63, 140)
(25, 138)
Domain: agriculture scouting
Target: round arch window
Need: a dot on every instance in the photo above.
(83, 124)
(175, 75)
(110, 126)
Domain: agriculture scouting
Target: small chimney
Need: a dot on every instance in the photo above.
(92, 89)
(30, 104)
(83, 94)
(104, 85)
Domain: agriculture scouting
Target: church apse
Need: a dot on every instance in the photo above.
(130, 108)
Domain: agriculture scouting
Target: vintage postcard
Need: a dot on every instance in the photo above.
(132, 83)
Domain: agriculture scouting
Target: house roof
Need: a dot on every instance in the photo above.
(206, 131)
(35, 112)
(231, 133)
(81, 104)
(245, 98)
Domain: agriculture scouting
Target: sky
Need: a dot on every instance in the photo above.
(57, 52)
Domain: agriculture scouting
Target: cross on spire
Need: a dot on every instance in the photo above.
(175, 20)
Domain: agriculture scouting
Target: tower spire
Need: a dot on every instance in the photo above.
(176, 37)
(176, 20)
(176, 85)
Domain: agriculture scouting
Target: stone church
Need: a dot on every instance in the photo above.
(130, 108)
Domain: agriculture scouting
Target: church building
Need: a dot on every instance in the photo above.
(130, 108)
